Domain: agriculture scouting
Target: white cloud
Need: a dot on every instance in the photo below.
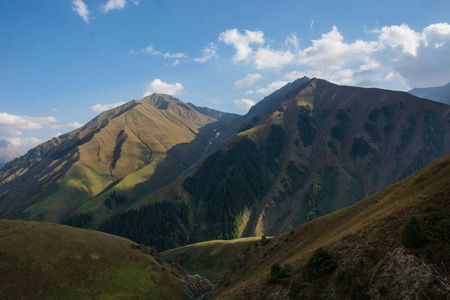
(161, 87)
(98, 108)
(244, 104)
(175, 55)
(26, 143)
(294, 75)
(14, 125)
(81, 9)
(70, 125)
(55, 109)
(268, 58)
(400, 37)
(333, 53)
(416, 58)
(148, 50)
(242, 42)
(112, 4)
(247, 81)
(209, 53)
(271, 87)
(136, 2)
(312, 25)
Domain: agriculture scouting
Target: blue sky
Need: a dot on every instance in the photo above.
(63, 62)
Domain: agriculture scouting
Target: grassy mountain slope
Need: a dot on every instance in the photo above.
(50, 261)
(438, 93)
(212, 259)
(131, 151)
(367, 256)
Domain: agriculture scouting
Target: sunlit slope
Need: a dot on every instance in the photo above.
(50, 261)
(365, 241)
(131, 150)
(212, 259)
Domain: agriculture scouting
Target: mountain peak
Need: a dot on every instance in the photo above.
(8, 152)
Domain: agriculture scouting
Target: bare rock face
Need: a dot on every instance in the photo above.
(402, 275)
(196, 285)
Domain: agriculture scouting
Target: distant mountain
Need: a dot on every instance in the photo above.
(308, 150)
(438, 93)
(111, 163)
(8, 152)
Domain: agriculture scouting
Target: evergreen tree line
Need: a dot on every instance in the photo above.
(163, 225)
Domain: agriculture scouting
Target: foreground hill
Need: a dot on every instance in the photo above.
(438, 93)
(362, 254)
(111, 162)
(50, 261)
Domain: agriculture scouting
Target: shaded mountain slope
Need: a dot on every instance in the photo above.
(129, 151)
(438, 93)
(51, 261)
(324, 148)
(212, 259)
(364, 254)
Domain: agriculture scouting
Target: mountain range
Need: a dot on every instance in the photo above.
(304, 151)
(438, 93)
(164, 173)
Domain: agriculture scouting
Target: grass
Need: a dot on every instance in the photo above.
(50, 261)
(361, 237)
(212, 259)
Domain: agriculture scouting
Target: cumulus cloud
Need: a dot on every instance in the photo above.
(12, 125)
(400, 37)
(247, 81)
(161, 87)
(70, 125)
(244, 104)
(98, 108)
(270, 88)
(81, 9)
(268, 58)
(242, 42)
(112, 4)
(26, 143)
(209, 53)
(333, 53)
(414, 58)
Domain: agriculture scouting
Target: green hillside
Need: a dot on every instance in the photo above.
(365, 252)
(50, 261)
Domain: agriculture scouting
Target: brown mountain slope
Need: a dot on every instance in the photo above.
(364, 241)
(131, 150)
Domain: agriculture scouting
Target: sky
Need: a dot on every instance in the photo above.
(62, 62)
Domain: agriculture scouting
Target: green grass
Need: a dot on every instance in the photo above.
(212, 259)
(50, 261)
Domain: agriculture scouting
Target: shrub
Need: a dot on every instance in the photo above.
(413, 235)
(264, 240)
(277, 272)
(322, 263)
